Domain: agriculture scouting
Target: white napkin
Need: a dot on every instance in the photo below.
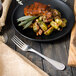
(14, 64)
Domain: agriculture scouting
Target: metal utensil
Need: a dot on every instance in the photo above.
(25, 47)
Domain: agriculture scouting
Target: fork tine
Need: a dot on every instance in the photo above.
(16, 42)
(19, 40)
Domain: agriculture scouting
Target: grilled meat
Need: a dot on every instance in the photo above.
(37, 9)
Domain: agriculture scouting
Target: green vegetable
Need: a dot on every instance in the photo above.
(22, 23)
(24, 18)
(49, 31)
(64, 21)
(41, 18)
(57, 17)
(58, 21)
(26, 21)
(27, 25)
(35, 27)
(42, 25)
(55, 25)
(56, 13)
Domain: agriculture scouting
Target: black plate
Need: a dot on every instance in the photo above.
(65, 10)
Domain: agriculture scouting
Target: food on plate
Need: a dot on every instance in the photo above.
(36, 9)
(42, 19)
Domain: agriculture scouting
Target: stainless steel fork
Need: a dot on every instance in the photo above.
(26, 47)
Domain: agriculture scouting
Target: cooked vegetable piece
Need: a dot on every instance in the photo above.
(56, 13)
(58, 21)
(49, 31)
(48, 20)
(41, 18)
(57, 17)
(49, 26)
(49, 15)
(37, 20)
(64, 21)
(55, 25)
(39, 32)
(27, 25)
(35, 27)
(45, 19)
(42, 25)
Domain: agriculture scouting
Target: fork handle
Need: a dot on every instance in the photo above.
(56, 64)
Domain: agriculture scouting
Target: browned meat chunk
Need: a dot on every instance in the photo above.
(36, 9)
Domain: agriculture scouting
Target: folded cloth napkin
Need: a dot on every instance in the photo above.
(14, 64)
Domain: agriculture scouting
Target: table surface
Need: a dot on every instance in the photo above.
(57, 50)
